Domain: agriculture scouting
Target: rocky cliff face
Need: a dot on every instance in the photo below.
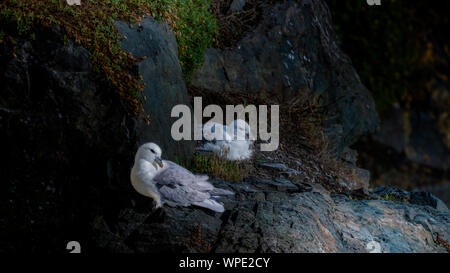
(68, 136)
(70, 147)
(294, 50)
(164, 83)
(415, 142)
(65, 134)
(282, 216)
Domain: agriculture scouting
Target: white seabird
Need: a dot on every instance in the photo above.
(168, 183)
(216, 138)
(222, 140)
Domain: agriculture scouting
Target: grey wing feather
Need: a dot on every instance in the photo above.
(174, 174)
(211, 204)
(179, 186)
(183, 195)
(218, 192)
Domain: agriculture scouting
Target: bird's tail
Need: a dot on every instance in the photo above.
(211, 204)
(202, 178)
(219, 192)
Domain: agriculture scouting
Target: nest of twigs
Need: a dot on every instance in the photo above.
(233, 25)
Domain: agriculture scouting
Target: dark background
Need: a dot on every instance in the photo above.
(400, 50)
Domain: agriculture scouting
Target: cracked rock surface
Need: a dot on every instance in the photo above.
(269, 216)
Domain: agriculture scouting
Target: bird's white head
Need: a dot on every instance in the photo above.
(150, 152)
(241, 128)
(215, 131)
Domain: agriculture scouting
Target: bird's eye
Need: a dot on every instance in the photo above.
(151, 150)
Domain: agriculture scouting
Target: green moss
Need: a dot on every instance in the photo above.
(394, 198)
(389, 197)
(195, 28)
(218, 167)
(92, 25)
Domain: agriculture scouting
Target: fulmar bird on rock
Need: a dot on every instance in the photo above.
(233, 142)
(168, 183)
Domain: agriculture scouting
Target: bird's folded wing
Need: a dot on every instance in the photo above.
(183, 195)
(173, 174)
(180, 187)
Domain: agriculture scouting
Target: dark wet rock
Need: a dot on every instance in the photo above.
(280, 168)
(278, 184)
(68, 139)
(442, 191)
(286, 221)
(362, 194)
(417, 135)
(294, 50)
(290, 173)
(237, 5)
(164, 83)
(427, 199)
(415, 197)
(350, 155)
(353, 178)
(397, 194)
(274, 166)
(302, 187)
(390, 168)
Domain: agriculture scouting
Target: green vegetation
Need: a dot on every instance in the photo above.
(394, 198)
(215, 166)
(195, 28)
(218, 167)
(92, 25)
(389, 197)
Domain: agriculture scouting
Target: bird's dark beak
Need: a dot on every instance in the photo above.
(159, 162)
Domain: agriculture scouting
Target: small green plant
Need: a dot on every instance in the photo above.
(389, 197)
(218, 167)
(195, 28)
(392, 197)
